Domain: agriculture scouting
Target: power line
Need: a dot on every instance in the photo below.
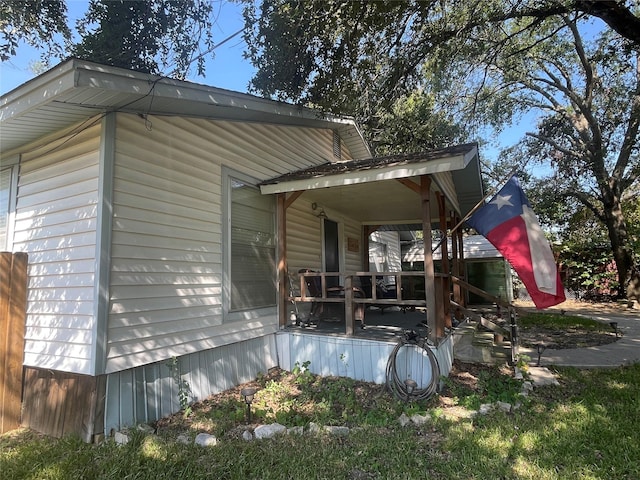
(209, 50)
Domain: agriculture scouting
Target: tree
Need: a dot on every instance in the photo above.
(141, 34)
(487, 61)
(589, 96)
(36, 22)
(321, 51)
(144, 35)
(413, 123)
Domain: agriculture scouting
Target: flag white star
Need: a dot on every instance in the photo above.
(502, 200)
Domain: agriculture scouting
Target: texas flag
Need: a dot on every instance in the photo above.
(509, 223)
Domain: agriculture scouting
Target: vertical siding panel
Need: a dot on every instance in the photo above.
(148, 393)
(367, 359)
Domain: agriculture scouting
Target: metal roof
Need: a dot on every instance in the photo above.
(76, 90)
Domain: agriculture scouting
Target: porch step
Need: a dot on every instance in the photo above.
(483, 339)
(471, 345)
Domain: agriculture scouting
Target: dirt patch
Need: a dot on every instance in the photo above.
(567, 338)
(575, 307)
(532, 336)
(214, 415)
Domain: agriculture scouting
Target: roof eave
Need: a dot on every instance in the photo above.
(78, 83)
(391, 172)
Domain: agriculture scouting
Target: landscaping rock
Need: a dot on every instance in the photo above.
(121, 438)
(337, 431)
(541, 376)
(206, 440)
(146, 428)
(504, 406)
(268, 431)
(419, 419)
(404, 420)
(314, 428)
(184, 439)
(246, 435)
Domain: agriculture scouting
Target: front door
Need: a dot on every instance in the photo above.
(331, 251)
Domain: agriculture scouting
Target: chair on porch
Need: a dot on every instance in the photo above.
(383, 292)
(329, 311)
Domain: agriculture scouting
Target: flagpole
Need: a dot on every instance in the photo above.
(476, 207)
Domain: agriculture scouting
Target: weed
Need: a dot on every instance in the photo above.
(302, 374)
(184, 389)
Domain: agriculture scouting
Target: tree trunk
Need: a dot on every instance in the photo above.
(628, 274)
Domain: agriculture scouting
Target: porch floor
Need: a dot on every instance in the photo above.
(387, 325)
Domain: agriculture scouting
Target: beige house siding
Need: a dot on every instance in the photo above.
(304, 237)
(166, 271)
(55, 223)
(353, 259)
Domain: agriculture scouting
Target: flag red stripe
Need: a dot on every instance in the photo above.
(511, 240)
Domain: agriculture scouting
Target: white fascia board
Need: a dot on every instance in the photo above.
(75, 73)
(38, 91)
(136, 83)
(447, 164)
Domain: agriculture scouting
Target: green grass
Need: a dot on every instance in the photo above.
(561, 322)
(588, 427)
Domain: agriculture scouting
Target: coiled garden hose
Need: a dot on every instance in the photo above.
(408, 389)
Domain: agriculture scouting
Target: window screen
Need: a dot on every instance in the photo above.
(253, 247)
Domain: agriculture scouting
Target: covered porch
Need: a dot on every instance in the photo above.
(429, 192)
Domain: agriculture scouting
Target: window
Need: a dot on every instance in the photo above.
(5, 203)
(250, 247)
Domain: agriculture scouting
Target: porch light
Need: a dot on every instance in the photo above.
(321, 214)
(248, 394)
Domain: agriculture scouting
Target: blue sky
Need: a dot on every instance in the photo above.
(227, 70)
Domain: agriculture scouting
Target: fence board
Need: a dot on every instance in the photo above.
(60, 403)
(13, 303)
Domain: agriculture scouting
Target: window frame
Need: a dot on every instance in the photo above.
(229, 314)
(12, 167)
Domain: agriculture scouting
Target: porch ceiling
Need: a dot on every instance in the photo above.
(374, 191)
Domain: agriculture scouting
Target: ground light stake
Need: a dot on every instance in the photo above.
(247, 395)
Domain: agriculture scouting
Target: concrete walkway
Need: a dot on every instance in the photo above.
(624, 351)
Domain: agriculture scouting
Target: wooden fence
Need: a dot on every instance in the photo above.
(13, 303)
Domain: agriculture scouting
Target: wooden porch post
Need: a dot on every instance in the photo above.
(461, 267)
(429, 272)
(455, 268)
(444, 248)
(282, 259)
(350, 320)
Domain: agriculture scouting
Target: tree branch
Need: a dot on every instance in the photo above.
(615, 14)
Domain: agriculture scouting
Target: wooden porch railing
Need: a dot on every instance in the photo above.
(13, 301)
(406, 295)
(352, 295)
